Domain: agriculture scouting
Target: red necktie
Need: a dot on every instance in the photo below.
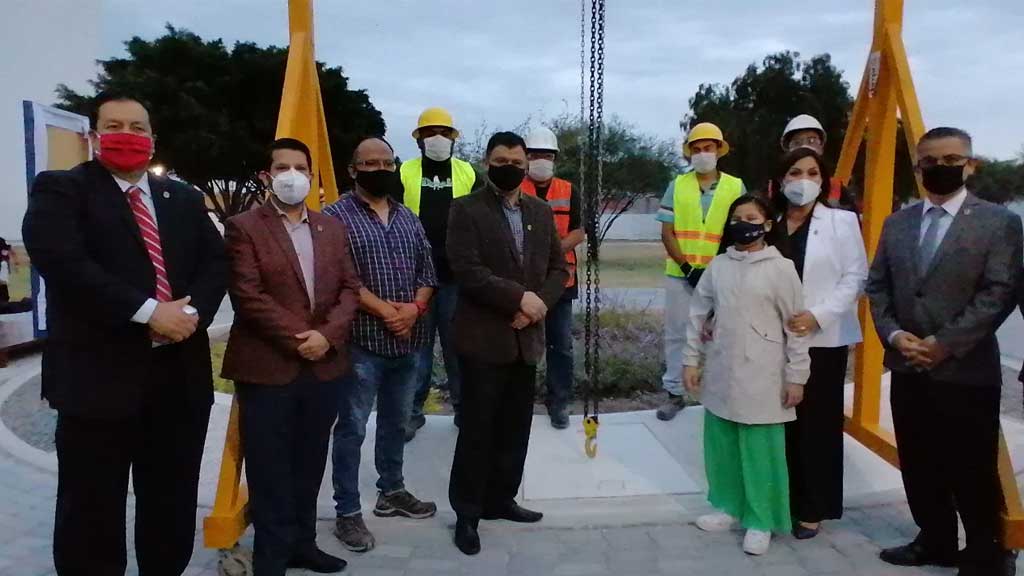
(151, 237)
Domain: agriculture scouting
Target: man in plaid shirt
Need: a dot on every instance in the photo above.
(392, 256)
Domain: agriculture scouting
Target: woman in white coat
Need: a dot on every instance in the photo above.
(827, 249)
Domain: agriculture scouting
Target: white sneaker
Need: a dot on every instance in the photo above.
(756, 542)
(718, 522)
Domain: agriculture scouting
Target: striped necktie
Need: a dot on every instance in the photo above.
(151, 237)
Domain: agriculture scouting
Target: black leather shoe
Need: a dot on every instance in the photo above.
(514, 513)
(801, 532)
(915, 554)
(467, 539)
(316, 560)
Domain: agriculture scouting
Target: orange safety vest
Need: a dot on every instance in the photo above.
(560, 200)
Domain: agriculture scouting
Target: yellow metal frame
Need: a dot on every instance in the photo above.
(301, 117)
(886, 94)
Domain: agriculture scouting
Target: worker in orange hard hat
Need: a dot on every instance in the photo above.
(692, 215)
(429, 184)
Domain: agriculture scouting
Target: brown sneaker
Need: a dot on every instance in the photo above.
(353, 533)
(402, 503)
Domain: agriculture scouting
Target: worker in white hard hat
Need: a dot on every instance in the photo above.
(692, 215)
(542, 152)
(805, 131)
(429, 184)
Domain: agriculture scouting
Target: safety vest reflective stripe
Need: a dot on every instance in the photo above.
(463, 177)
(559, 198)
(699, 235)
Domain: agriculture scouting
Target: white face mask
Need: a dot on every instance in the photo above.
(291, 187)
(541, 170)
(704, 162)
(437, 148)
(801, 192)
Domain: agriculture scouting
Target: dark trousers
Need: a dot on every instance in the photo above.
(491, 450)
(948, 440)
(814, 441)
(558, 336)
(285, 431)
(162, 447)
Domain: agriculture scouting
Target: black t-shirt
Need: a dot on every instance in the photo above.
(575, 223)
(436, 192)
(798, 245)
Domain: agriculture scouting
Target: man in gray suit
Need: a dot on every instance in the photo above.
(944, 278)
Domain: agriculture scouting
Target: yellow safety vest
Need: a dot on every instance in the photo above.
(698, 236)
(463, 178)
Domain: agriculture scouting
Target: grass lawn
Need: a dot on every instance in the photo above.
(629, 265)
(19, 284)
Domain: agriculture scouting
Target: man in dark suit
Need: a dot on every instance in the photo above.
(135, 272)
(295, 293)
(944, 278)
(509, 266)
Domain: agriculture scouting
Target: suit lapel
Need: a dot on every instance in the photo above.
(320, 255)
(502, 224)
(953, 236)
(529, 223)
(118, 202)
(273, 222)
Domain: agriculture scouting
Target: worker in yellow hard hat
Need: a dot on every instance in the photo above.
(429, 184)
(692, 215)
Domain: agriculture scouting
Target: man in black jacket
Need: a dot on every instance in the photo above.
(135, 271)
(510, 268)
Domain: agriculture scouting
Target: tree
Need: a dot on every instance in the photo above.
(636, 165)
(754, 109)
(215, 111)
(998, 181)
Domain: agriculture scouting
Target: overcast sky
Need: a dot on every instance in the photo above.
(501, 63)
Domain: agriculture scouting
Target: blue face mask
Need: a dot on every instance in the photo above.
(744, 233)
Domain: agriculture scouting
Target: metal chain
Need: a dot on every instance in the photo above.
(592, 178)
(599, 159)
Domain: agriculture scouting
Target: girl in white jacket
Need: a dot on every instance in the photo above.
(753, 373)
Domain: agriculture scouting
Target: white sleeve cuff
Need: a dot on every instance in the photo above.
(893, 336)
(145, 312)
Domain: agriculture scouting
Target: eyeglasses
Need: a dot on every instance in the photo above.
(376, 164)
(947, 160)
(802, 141)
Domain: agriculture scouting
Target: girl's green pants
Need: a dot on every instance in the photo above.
(747, 474)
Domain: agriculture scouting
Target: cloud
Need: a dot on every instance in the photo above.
(499, 63)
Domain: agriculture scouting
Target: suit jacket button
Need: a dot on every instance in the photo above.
(919, 294)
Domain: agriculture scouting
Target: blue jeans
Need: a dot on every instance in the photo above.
(559, 379)
(391, 382)
(439, 321)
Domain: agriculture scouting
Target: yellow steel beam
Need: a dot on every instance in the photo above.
(226, 523)
(301, 117)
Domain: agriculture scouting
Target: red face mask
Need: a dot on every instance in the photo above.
(125, 152)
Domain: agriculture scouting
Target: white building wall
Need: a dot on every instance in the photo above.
(43, 43)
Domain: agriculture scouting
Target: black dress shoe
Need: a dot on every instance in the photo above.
(915, 554)
(801, 532)
(316, 560)
(467, 539)
(514, 513)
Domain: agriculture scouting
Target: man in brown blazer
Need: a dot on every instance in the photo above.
(509, 266)
(295, 292)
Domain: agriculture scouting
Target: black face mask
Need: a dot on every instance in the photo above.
(744, 233)
(942, 180)
(378, 183)
(506, 178)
